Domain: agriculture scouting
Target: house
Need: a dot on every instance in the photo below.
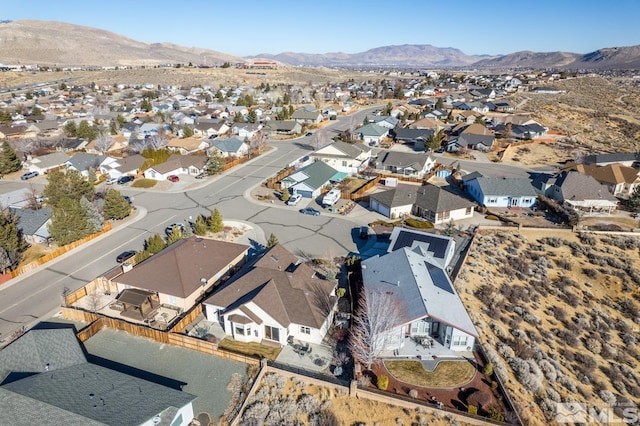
(405, 163)
(278, 298)
(181, 273)
(431, 202)
(473, 136)
(177, 165)
(245, 130)
(83, 162)
(71, 144)
(417, 137)
(629, 159)
(522, 131)
(33, 224)
(501, 191)
(413, 274)
(427, 123)
(232, 147)
(309, 180)
(46, 379)
(130, 166)
(186, 146)
(284, 127)
(620, 180)
(345, 157)
(304, 116)
(371, 133)
(210, 128)
(581, 192)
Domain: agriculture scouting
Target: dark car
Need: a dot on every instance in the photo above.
(169, 229)
(124, 179)
(309, 134)
(125, 255)
(29, 175)
(310, 210)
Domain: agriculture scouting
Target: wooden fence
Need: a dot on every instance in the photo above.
(187, 319)
(273, 182)
(60, 251)
(359, 193)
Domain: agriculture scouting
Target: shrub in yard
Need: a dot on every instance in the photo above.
(488, 369)
(420, 224)
(413, 393)
(383, 382)
(473, 410)
(491, 217)
(341, 292)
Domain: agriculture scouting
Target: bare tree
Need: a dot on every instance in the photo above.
(159, 140)
(26, 145)
(258, 142)
(373, 325)
(353, 123)
(103, 142)
(93, 302)
(33, 202)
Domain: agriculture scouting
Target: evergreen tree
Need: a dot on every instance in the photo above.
(115, 206)
(200, 227)
(215, 222)
(86, 131)
(9, 161)
(272, 241)
(155, 244)
(633, 202)
(91, 175)
(214, 165)
(70, 129)
(94, 218)
(12, 245)
(68, 221)
(67, 185)
(252, 117)
(187, 132)
(145, 105)
(174, 235)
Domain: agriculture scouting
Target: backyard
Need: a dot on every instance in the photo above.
(447, 374)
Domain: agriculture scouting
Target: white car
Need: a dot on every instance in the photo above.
(295, 199)
(111, 181)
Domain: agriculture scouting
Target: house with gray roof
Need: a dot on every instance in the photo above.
(581, 192)
(177, 165)
(129, 165)
(413, 136)
(502, 191)
(372, 132)
(629, 159)
(33, 224)
(232, 147)
(45, 378)
(278, 298)
(284, 127)
(345, 157)
(83, 162)
(45, 163)
(413, 274)
(405, 163)
(306, 116)
(309, 180)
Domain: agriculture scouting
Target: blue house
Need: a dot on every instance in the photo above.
(501, 191)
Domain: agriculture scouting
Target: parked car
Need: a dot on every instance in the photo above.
(29, 175)
(310, 210)
(125, 255)
(309, 134)
(111, 181)
(173, 178)
(128, 199)
(125, 179)
(169, 229)
(294, 199)
(201, 175)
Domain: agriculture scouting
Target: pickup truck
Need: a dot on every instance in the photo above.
(331, 197)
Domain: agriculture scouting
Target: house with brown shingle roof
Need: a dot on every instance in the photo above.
(620, 179)
(177, 165)
(278, 298)
(184, 271)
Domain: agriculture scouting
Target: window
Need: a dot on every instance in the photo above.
(460, 341)
(240, 330)
(492, 201)
(344, 163)
(272, 333)
(305, 330)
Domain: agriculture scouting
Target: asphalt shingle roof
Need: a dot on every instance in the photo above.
(29, 221)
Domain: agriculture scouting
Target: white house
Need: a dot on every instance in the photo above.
(344, 157)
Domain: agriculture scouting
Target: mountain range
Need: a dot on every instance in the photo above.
(60, 44)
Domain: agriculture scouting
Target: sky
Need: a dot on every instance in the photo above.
(250, 27)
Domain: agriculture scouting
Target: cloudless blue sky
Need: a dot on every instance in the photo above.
(249, 27)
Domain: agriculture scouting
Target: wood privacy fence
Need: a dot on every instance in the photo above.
(273, 182)
(188, 319)
(60, 251)
(98, 322)
(360, 192)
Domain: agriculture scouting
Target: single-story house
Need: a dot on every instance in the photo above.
(621, 180)
(177, 165)
(232, 147)
(33, 224)
(412, 136)
(581, 192)
(413, 274)
(304, 116)
(83, 162)
(345, 157)
(278, 298)
(45, 163)
(285, 127)
(186, 146)
(371, 132)
(501, 191)
(405, 163)
(184, 271)
(309, 180)
(46, 378)
(628, 159)
(130, 166)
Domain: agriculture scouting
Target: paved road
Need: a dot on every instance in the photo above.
(36, 295)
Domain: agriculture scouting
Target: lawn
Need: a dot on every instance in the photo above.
(144, 183)
(447, 374)
(35, 252)
(252, 348)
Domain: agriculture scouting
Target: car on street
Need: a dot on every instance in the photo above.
(122, 180)
(309, 134)
(125, 255)
(111, 181)
(128, 199)
(29, 175)
(311, 211)
(173, 178)
(294, 199)
(169, 229)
